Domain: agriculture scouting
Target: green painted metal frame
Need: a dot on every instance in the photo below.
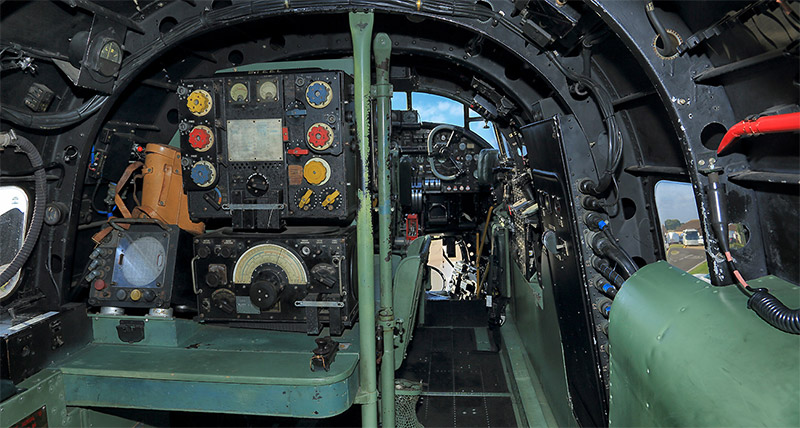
(382, 51)
(685, 353)
(184, 366)
(361, 33)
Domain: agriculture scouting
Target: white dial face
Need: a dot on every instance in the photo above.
(143, 261)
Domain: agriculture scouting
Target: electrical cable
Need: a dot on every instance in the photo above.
(37, 219)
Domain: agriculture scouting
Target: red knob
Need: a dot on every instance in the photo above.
(199, 138)
(318, 136)
(99, 284)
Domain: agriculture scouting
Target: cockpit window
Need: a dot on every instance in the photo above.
(439, 109)
(680, 227)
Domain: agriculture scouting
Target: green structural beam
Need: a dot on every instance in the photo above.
(685, 353)
(382, 48)
(361, 32)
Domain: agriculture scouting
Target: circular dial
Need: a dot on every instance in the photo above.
(110, 58)
(273, 255)
(224, 300)
(199, 102)
(319, 136)
(143, 261)
(239, 92)
(443, 149)
(257, 184)
(325, 274)
(331, 199)
(268, 91)
(305, 199)
(201, 138)
(319, 94)
(317, 171)
(203, 173)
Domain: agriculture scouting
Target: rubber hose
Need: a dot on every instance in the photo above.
(10, 139)
(669, 48)
(773, 311)
(604, 246)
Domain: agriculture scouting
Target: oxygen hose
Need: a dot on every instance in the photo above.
(670, 47)
(11, 139)
(767, 306)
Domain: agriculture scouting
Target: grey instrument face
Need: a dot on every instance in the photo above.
(141, 262)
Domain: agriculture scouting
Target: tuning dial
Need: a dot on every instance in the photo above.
(319, 136)
(319, 94)
(257, 184)
(199, 102)
(203, 173)
(317, 171)
(201, 138)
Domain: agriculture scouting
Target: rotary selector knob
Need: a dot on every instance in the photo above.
(319, 94)
(199, 102)
(264, 294)
(317, 171)
(203, 173)
(224, 300)
(201, 138)
(257, 184)
(319, 136)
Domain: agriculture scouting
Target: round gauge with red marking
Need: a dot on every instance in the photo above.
(319, 136)
(201, 138)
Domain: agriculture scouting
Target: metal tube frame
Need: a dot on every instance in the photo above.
(382, 48)
(361, 31)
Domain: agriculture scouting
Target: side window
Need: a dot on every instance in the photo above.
(13, 214)
(680, 227)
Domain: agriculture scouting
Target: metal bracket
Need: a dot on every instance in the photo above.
(315, 304)
(363, 397)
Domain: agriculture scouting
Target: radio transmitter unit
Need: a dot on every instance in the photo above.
(298, 280)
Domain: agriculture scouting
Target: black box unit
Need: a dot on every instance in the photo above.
(298, 280)
(262, 148)
(136, 267)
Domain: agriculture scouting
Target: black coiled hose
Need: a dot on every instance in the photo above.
(11, 139)
(773, 311)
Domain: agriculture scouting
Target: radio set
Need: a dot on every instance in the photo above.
(261, 148)
(297, 280)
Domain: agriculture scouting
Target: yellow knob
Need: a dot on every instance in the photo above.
(136, 294)
(330, 199)
(305, 199)
(316, 171)
(199, 102)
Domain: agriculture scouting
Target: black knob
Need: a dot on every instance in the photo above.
(225, 252)
(212, 279)
(264, 294)
(149, 295)
(203, 251)
(224, 300)
(257, 185)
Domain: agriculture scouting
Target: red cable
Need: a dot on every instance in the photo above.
(762, 125)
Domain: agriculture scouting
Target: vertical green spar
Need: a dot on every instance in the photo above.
(361, 32)
(382, 49)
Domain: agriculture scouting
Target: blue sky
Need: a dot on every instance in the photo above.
(435, 108)
(675, 200)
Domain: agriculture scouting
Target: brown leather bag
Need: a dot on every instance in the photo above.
(163, 197)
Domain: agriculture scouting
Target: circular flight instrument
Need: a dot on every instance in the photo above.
(319, 136)
(203, 173)
(110, 58)
(317, 171)
(319, 94)
(199, 102)
(305, 199)
(268, 91)
(274, 256)
(143, 261)
(201, 138)
(239, 92)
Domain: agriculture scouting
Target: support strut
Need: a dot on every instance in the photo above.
(361, 32)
